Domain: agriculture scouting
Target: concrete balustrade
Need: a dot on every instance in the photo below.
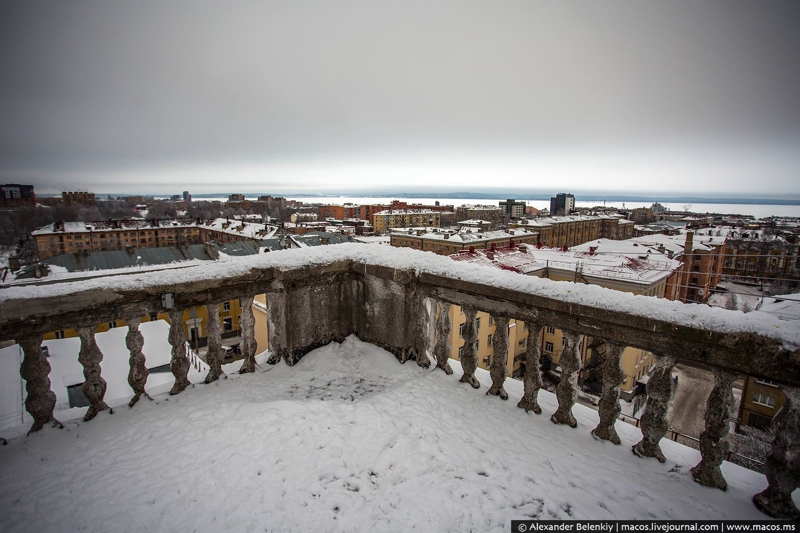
(310, 305)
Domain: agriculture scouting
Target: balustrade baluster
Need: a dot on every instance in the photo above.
(137, 375)
(714, 446)
(613, 377)
(420, 330)
(499, 357)
(276, 326)
(654, 420)
(567, 389)
(441, 349)
(532, 380)
(247, 325)
(35, 370)
(469, 354)
(94, 386)
(179, 364)
(214, 354)
(783, 462)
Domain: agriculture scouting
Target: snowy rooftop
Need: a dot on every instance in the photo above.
(408, 212)
(643, 268)
(466, 237)
(650, 244)
(550, 221)
(785, 306)
(347, 440)
(237, 227)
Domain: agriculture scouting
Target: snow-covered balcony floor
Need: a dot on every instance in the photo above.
(347, 440)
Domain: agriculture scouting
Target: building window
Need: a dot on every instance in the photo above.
(228, 324)
(76, 396)
(112, 325)
(59, 334)
(153, 317)
(768, 382)
(763, 399)
(477, 324)
(548, 347)
(489, 341)
(460, 352)
(759, 422)
(551, 330)
(491, 320)
(226, 306)
(523, 343)
(461, 331)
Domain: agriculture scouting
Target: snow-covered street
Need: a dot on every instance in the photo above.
(347, 440)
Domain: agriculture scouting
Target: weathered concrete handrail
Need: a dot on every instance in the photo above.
(316, 296)
(756, 344)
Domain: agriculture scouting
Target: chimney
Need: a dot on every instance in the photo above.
(490, 255)
(211, 250)
(661, 248)
(687, 248)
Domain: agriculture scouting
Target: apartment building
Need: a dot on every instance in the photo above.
(262, 204)
(84, 199)
(447, 243)
(512, 208)
(517, 340)
(490, 213)
(761, 398)
(385, 220)
(87, 237)
(702, 254)
(562, 204)
(366, 212)
(568, 231)
(758, 253)
(14, 195)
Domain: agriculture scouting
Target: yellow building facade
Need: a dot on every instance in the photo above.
(195, 321)
(636, 363)
(382, 221)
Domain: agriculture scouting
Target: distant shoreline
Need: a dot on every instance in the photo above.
(583, 198)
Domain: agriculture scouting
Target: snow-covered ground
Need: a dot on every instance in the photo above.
(65, 370)
(347, 440)
(739, 296)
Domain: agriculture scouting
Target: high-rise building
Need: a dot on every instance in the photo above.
(561, 204)
(70, 199)
(513, 208)
(14, 195)
(186, 196)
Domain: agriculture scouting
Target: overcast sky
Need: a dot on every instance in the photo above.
(160, 97)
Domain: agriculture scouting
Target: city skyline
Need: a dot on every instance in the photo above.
(311, 98)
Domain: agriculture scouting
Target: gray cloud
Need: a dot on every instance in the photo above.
(297, 92)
